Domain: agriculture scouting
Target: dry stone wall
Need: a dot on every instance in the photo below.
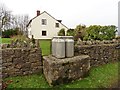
(59, 71)
(23, 59)
(19, 61)
(100, 52)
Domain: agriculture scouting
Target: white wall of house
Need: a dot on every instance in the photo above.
(29, 31)
(35, 28)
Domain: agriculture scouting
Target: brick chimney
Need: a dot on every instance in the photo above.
(38, 12)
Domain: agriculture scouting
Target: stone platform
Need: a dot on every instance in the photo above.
(59, 71)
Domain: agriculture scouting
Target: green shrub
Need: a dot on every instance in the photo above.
(11, 32)
(70, 32)
(19, 37)
(97, 32)
(80, 32)
(61, 32)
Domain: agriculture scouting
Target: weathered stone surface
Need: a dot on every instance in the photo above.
(35, 64)
(100, 53)
(19, 61)
(58, 71)
(97, 42)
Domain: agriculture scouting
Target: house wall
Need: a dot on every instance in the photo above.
(37, 27)
(29, 31)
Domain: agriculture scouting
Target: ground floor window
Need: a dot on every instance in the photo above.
(44, 33)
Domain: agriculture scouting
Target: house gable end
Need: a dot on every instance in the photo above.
(48, 15)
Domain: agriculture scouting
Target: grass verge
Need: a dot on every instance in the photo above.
(99, 77)
(6, 40)
(45, 46)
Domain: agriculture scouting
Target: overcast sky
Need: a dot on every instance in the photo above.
(71, 12)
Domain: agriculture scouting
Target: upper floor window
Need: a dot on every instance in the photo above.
(44, 22)
(57, 25)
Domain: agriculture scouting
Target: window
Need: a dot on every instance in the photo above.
(57, 25)
(44, 22)
(44, 33)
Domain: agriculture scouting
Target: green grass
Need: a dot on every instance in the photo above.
(44, 44)
(6, 40)
(30, 81)
(99, 77)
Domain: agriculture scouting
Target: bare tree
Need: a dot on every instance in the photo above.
(26, 20)
(21, 21)
(5, 17)
(9, 21)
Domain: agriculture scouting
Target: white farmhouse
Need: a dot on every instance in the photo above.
(44, 26)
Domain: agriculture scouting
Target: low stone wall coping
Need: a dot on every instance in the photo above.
(65, 60)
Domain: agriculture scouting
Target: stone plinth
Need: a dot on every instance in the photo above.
(59, 71)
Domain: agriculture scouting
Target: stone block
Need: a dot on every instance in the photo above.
(18, 66)
(26, 65)
(37, 71)
(35, 64)
(7, 64)
(18, 60)
(19, 73)
(59, 71)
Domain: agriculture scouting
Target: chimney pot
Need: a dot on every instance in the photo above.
(38, 12)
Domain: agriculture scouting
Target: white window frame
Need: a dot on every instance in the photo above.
(44, 21)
